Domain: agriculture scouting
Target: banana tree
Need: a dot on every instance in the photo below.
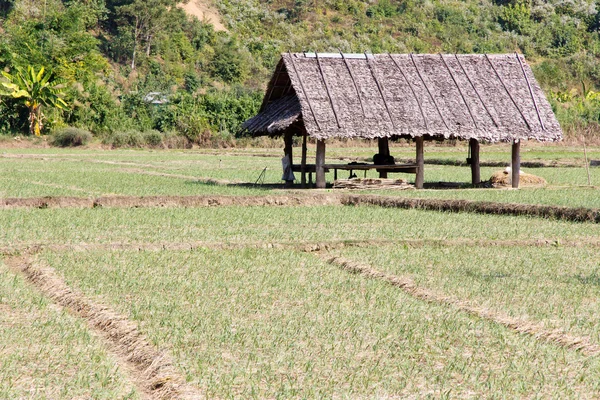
(36, 90)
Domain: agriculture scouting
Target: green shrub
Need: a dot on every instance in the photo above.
(173, 140)
(515, 18)
(153, 138)
(70, 137)
(125, 139)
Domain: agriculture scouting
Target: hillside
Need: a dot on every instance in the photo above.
(212, 60)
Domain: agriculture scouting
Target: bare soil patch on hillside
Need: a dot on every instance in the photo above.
(204, 11)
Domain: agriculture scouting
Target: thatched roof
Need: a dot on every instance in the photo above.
(488, 97)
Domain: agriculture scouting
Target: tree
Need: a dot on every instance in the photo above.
(146, 18)
(36, 90)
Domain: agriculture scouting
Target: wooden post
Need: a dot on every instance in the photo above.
(288, 140)
(319, 162)
(516, 163)
(303, 162)
(587, 163)
(475, 170)
(384, 150)
(420, 177)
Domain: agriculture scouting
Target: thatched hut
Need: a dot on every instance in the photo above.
(475, 97)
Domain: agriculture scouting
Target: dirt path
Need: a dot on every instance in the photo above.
(211, 181)
(151, 370)
(536, 330)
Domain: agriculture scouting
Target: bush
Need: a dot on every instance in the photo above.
(173, 140)
(70, 137)
(125, 139)
(153, 138)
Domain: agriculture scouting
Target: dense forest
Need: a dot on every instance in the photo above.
(135, 72)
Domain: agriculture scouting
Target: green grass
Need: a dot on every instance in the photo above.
(46, 353)
(556, 286)
(256, 324)
(249, 323)
(88, 172)
(238, 224)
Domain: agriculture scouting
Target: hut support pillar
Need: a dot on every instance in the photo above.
(320, 161)
(384, 150)
(475, 170)
(303, 162)
(516, 163)
(420, 177)
(288, 141)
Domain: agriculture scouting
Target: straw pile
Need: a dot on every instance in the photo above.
(503, 179)
(358, 183)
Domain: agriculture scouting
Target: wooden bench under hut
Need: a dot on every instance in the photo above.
(476, 97)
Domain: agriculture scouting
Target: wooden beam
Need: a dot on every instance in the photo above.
(537, 110)
(411, 89)
(319, 162)
(476, 92)
(428, 91)
(420, 177)
(384, 150)
(303, 162)
(508, 92)
(304, 90)
(475, 170)
(335, 114)
(354, 82)
(459, 91)
(380, 87)
(516, 163)
(288, 140)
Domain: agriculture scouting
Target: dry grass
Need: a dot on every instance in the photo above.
(152, 370)
(504, 179)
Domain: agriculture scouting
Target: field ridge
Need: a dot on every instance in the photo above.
(298, 245)
(152, 369)
(536, 330)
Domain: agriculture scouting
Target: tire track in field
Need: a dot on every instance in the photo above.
(210, 181)
(536, 330)
(305, 246)
(67, 187)
(151, 370)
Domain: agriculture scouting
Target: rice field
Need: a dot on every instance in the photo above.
(246, 301)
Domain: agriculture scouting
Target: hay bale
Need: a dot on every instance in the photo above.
(503, 179)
